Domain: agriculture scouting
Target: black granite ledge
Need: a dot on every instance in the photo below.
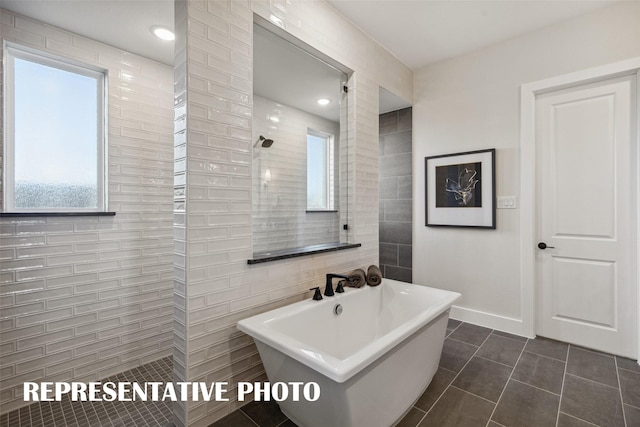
(45, 214)
(298, 252)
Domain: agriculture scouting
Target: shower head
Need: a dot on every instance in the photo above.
(266, 143)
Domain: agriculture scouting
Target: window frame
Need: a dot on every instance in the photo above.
(329, 168)
(12, 51)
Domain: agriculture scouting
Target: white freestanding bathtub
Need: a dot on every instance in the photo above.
(371, 362)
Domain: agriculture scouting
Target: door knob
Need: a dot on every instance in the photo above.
(543, 245)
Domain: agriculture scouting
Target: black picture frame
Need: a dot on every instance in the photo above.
(460, 189)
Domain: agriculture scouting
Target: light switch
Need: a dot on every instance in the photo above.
(506, 202)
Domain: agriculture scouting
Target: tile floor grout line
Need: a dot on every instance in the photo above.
(624, 415)
(534, 386)
(564, 377)
(421, 410)
(507, 337)
(467, 343)
(453, 330)
(578, 418)
(507, 383)
(414, 407)
(494, 361)
(421, 419)
(63, 415)
(93, 409)
(600, 354)
(545, 356)
(633, 406)
(252, 420)
(448, 370)
(128, 409)
(626, 370)
(85, 411)
(590, 350)
(458, 373)
(473, 394)
(594, 381)
(31, 416)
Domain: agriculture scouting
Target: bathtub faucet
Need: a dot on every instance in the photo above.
(328, 289)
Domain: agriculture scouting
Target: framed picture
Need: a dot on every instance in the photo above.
(460, 189)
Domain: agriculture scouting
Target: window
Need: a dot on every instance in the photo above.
(54, 147)
(320, 168)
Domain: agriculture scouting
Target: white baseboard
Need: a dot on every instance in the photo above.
(489, 320)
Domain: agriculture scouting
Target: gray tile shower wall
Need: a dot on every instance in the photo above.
(396, 198)
(84, 298)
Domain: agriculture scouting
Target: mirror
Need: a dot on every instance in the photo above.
(299, 147)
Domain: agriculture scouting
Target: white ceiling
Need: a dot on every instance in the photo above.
(417, 32)
(125, 24)
(286, 74)
(421, 32)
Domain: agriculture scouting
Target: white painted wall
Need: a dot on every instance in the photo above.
(472, 102)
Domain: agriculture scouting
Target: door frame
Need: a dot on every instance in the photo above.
(528, 207)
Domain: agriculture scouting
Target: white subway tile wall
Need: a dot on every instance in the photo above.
(280, 220)
(180, 329)
(84, 298)
(214, 286)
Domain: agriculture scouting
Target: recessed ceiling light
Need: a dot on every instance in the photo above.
(163, 33)
(323, 101)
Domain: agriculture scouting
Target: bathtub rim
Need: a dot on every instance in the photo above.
(340, 370)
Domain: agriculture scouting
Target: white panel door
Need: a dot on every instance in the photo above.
(586, 198)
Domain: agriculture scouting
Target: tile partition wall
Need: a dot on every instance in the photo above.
(396, 197)
(84, 298)
(280, 220)
(214, 286)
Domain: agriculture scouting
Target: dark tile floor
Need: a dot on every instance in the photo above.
(488, 378)
(109, 414)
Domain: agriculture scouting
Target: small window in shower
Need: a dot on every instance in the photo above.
(320, 171)
(55, 141)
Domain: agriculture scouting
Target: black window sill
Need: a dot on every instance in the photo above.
(45, 214)
(321, 210)
(298, 252)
